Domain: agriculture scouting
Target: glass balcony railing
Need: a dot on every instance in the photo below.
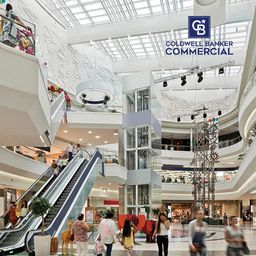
(250, 85)
(17, 32)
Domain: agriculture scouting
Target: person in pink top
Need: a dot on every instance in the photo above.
(80, 230)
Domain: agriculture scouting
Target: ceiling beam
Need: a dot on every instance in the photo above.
(176, 62)
(174, 21)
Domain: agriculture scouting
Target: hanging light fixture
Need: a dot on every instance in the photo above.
(165, 84)
(200, 77)
(219, 113)
(178, 119)
(183, 80)
(204, 115)
(221, 70)
(192, 117)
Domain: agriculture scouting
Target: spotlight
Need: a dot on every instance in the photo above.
(83, 95)
(204, 115)
(165, 84)
(106, 99)
(200, 77)
(192, 117)
(183, 80)
(221, 70)
(84, 101)
(178, 119)
(219, 113)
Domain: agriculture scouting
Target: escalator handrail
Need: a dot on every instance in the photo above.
(31, 232)
(53, 185)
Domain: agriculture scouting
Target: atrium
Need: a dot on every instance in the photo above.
(132, 115)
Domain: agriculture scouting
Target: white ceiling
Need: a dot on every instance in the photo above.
(83, 137)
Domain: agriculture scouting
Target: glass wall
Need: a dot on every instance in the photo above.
(130, 102)
(143, 194)
(130, 160)
(143, 100)
(143, 156)
(131, 194)
(143, 136)
(130, 138)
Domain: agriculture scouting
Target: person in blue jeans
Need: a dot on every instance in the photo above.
(108, 231)
(197, 232)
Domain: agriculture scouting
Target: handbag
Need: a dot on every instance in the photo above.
(245, 248)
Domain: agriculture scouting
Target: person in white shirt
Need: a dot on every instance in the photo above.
(161, 234)
(23, 210)
(74, 150)
(108, 231)
(70, 151)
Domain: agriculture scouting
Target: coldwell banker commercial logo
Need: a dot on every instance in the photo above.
(199, 27)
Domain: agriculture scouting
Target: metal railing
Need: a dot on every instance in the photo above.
(250, 85)
(17, 32)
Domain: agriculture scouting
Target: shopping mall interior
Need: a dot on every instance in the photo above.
(129, 107)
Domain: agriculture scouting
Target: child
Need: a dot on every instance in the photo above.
(127, 237)
(99, 248)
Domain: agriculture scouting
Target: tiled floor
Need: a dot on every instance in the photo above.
(216, 245)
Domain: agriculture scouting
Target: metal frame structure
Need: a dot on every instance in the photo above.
(205, 143)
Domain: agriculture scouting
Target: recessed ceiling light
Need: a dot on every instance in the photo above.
(90, 132)
(109, 183)
(80, 139)
(89, 144)
(97, 136)
(65, 131)
(100, 187)
(115, 133)
(105, 142)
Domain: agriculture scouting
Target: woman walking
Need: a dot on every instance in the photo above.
(235, 238)
(161, 234)
(80, 230)
(107, 231)
(197, 233)
(127, 237)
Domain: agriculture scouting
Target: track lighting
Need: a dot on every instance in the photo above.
(192, 117)
(183, 80)
(221, 70)
(178, 119)
(200, 77)
(219, 113)
(204, 115)
(165, 84)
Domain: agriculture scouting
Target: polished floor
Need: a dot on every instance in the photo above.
(216, 245)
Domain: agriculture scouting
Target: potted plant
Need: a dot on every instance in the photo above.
(39, 207)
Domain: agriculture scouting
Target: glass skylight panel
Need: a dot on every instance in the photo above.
(80, 16)
(84, 22)
(93, 6)
(155, 2)
(187, 4)
(71, 3)
(100, 19)
(140, 5)
(76, 9)
(144, 11)
(157, 9)
(99, 12)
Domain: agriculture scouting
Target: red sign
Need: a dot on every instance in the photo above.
(111, 202)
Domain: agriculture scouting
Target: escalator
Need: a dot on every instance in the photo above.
(12, 240)
(71, 201)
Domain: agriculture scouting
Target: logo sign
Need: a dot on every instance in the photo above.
(199, 27)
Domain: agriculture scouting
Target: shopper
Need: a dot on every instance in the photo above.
(78, 147)
(10, 14)
(107, 231)
(59, 162)
(70, 151)
(234, 237)
(23, 210)
(12, 214)
(80, 230)
(197, 233)
(161, 234)
(127, 236)
(225, 219)
(74, 150)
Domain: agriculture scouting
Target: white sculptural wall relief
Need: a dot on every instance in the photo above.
(172, 107)
(65, 65)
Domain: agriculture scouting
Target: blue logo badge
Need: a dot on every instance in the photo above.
(199, 27)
